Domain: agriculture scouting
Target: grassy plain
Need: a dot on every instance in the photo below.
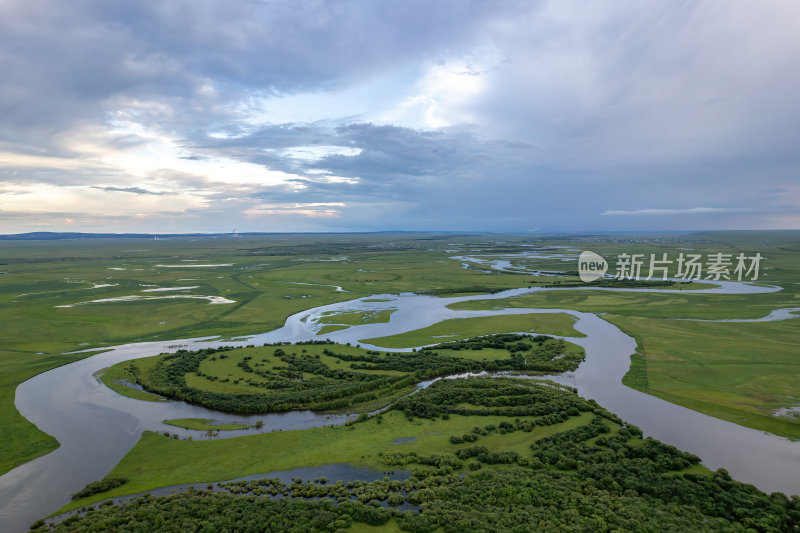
(205, 424)
(741, 372)
(327, 377)
(737, 371)
(462, 328)
(353, 318)
(271, 277)
(652, 305)
(21, 440)
(38, 276)
(115, 377)
(454, 432)
(335, 321)
(228, 368)
(158, 461)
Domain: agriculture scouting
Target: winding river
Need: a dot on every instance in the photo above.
(97, 427)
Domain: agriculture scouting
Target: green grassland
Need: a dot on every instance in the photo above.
(262, 280)
(21, 440)
(466, 349)
(327, 376)
(335, 321)
(462, 328)
(115, 377)
(205, 424)
(38, 276)
(330, 329)
(741, 372)
(354, 318)
(652, 305)
(158, 461)
(480, 460)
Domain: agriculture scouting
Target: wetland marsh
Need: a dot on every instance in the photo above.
(381, 319)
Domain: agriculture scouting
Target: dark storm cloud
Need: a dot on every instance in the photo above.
(63, 62)
(386, 152)
(450, 174)
(529, 114)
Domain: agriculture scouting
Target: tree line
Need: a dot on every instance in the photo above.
(596, 477)
(304, 381)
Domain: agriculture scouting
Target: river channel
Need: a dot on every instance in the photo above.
(96, 427)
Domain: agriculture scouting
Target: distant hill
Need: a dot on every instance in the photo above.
(57, 236)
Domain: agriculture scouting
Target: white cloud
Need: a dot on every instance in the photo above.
(22, 160)
(445, 93)
(159, 152)
(309, 210)
(43, 198)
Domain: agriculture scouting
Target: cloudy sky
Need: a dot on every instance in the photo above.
(362, 115)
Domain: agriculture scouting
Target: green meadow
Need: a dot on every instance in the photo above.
(462, 328)
(158, 461)
(119, 377)
(326, 376)
(38, 276)
(651, 305)
(334, 321)
(272, 277)
(353, 318)
(205, 424)
(482, 454)
(21, 440)
(741, 372)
